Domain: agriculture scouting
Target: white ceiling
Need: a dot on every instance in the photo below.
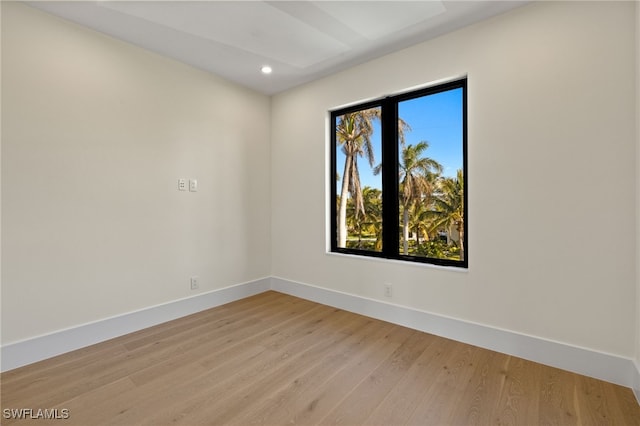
(301, 40)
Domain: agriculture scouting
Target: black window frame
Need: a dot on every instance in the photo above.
(390, 175)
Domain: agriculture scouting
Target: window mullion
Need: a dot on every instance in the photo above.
(390, 207)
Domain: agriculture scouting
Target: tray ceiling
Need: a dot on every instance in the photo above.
(300, 40)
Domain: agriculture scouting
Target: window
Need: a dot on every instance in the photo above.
(399, 177)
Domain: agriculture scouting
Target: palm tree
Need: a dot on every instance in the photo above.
(373, 216)
(419, 220)
(353, 134)
(449, 205)
(370, 222)
(416, 182)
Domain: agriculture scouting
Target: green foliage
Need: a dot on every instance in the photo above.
(367, 227)
(437, 249)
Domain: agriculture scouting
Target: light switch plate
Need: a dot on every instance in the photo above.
(193, 185)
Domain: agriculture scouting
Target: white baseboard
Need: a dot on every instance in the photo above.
(610, 368)
(636, 381)
(28, 351)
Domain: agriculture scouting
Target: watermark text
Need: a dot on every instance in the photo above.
(36, 413)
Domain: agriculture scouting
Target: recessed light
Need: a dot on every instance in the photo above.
(266, 69)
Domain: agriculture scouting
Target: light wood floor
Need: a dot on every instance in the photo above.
(276, 359)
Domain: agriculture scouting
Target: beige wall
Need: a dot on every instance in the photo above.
(551, 176)
(95, 134)
(638, 194)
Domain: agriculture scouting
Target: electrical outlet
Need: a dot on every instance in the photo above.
(182, 184)
(388, 290)
(195, 283)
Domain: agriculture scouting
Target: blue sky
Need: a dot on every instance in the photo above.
(435, 119)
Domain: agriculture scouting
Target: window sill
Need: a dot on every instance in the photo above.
(399, 262)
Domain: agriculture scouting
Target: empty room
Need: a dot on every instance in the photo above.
(320, 212)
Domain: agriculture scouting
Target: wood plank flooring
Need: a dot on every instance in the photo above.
(274, 359)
